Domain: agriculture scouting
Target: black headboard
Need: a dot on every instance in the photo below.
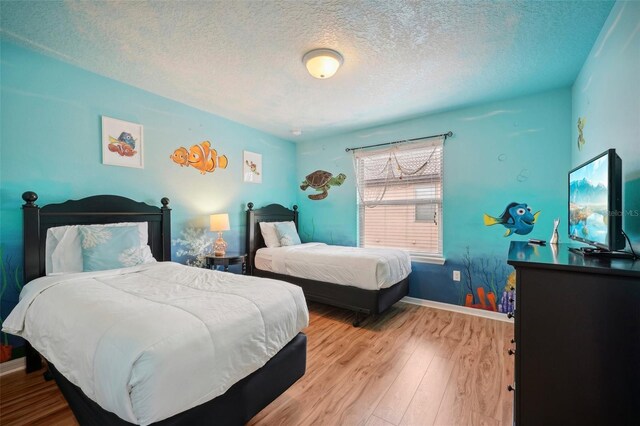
(99, 209)
(270, 213)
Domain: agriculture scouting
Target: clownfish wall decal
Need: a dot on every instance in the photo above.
(517, 218)
(124, 146)
(201, 157)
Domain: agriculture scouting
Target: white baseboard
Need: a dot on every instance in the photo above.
(456, 308)
(12, 366)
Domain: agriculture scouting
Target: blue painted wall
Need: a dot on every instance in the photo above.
(607, 94)
(514, 150)
(51, 144)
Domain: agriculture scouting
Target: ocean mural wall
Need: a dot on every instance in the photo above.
(506, 155)
(51, 144)
(606, 106)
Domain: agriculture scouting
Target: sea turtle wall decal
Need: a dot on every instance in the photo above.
(321, 181)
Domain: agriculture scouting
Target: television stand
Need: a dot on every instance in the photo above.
(600, 253)
(576, 346)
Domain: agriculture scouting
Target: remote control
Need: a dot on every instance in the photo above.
(539, 242)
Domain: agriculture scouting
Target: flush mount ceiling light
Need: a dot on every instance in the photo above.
(322, 63)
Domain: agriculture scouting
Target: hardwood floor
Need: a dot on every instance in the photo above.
(412, 366)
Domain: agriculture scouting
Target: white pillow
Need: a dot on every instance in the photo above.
(53, 239)
(64, 252)
(287, 234)
(269, 234)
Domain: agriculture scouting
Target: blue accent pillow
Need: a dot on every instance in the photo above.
(109, 247)
(287, 234)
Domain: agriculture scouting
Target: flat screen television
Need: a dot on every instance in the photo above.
(595, 202)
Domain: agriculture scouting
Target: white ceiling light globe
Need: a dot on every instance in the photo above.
(322, 63)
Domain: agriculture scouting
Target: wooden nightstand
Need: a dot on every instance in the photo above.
(226, 260)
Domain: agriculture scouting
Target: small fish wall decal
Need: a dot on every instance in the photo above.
(201, 157)
(516, 217)
(581, 122)
(125, 145)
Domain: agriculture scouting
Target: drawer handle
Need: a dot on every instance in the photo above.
(511, 388)
(511, 352)
(509, 315)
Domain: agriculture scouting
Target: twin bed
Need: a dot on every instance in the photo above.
(364, 281)
(162, 343)
(159, 342)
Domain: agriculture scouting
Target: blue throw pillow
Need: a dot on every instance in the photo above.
(109, 247)
(287, 234)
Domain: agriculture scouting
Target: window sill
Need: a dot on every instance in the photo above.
(422, 258)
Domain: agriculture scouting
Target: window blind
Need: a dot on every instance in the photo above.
(400, 197)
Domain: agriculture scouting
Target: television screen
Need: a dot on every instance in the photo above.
(589, 201)
(595, 202)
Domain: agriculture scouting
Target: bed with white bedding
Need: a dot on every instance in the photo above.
(159, 342)
(224, 326)
(366, 281)
(368, 269)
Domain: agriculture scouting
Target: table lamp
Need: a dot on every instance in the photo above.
(219, 223)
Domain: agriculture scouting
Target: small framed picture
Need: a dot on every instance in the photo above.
(252, 167)
(121, 143)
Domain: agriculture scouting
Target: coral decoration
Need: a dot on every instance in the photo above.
(507, 301)
(5, 352)
(490, 297)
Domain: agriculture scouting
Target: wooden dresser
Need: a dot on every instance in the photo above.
(577, 338)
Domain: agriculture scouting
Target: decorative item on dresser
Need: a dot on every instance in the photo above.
(343, 295)
(577, 337)
(227, 260)
(555, 238)
(237, 405)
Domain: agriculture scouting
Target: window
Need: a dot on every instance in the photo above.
(400, 198)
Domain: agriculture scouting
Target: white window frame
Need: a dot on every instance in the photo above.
(422, 257)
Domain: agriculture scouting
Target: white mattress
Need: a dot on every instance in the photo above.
(150, 341)
(369, 269)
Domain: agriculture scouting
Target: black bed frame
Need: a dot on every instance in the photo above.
(359, 300)
(235, 407)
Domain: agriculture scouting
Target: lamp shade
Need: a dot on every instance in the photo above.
(322, 63)
(219, 222)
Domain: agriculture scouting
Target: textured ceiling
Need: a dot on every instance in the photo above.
(242, 59)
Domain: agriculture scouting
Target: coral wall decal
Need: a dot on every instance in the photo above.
(11, 277)
(486, 279)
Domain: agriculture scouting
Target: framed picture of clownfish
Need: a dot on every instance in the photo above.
(121, 143)
(252, 167)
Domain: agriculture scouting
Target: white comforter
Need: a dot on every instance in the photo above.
(370, 269)
(153, 340)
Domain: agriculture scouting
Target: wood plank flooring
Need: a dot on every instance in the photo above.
(411, 366)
